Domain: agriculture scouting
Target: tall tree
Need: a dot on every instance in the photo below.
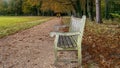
(3, 7)
(56, 5)
(106, 9)
(15, 6)
(98, 11)
(26, 7)
(90, 9)
(85, 10)
(37, 4)
(31, 7)
(74, 6)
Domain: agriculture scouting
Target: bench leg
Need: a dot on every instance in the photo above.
(55, 49)
(79, 58)
(56, 58)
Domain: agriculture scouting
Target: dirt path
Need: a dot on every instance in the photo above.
(31, 48)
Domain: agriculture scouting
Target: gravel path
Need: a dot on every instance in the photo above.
(31, 48)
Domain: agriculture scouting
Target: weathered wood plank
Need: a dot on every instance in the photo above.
(64, 42)
(67, 41)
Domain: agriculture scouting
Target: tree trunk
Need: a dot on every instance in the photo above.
(38, 11)
(106, 9)
(77, 9)
(98, 11)
(90, 9)
(86, 8)
(42, 13)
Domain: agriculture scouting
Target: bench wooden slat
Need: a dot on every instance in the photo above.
(59, 42)
(67, 41)
(73, 41)
(62, 42)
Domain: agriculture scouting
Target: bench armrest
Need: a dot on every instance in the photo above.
(58, 27)
(64, 34)
(61, 26)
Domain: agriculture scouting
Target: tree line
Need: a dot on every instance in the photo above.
(90, 8)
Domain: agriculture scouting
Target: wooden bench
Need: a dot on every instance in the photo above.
(70, 40)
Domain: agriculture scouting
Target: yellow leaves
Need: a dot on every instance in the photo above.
(34, 2)
(56, 6)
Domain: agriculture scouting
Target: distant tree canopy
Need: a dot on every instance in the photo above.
(66, 7)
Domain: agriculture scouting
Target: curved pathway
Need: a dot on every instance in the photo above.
(31, 48)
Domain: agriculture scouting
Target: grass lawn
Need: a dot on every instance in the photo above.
(12, 24)
(101, 44)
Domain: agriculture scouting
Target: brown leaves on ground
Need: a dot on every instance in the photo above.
(101, 46)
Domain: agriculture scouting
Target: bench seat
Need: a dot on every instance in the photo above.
(67, 41)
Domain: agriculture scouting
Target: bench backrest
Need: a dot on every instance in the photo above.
(77, 24)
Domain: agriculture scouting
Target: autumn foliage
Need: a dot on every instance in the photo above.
(101, 45)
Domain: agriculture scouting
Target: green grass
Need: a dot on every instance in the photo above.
(12, 24)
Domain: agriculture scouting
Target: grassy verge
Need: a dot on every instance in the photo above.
(11, 24)
(101, 44)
